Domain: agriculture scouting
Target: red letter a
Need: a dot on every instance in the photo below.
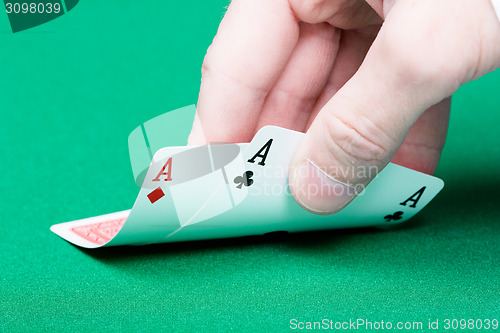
(168, 173)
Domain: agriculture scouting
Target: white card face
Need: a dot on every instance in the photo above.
(395, 195)
(201, 198)
(268, 157)
(194, 193)
(230, 162)
(276, 143)
(403, 193)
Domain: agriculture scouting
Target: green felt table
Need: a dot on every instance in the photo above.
(73, 89)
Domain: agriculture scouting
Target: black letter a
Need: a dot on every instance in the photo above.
(414, 198)
(265, 147)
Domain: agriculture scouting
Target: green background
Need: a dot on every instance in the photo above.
(73, 89)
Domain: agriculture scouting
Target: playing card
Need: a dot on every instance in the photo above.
(395, 195)
(217, 191)
(92, 232)
(153, 221)
(183, 186)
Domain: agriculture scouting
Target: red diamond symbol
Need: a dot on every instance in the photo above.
(156, 195)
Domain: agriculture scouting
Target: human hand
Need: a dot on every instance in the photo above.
(359, 88)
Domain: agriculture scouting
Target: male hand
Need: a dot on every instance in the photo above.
(369, 81)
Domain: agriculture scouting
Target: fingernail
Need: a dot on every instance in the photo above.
(319, 192)
(496, 7)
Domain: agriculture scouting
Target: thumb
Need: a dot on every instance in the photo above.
(410, 67)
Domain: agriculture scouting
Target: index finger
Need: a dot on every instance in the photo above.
(252, 46)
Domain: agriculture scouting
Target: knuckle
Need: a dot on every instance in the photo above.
(310, 11)
(357, 140)
(428, 57)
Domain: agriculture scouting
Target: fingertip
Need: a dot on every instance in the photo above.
(318, 192)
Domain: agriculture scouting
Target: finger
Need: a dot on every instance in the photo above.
(405, 72)
(290, 101)
(251, 48)
(421, 149)
(354, 45)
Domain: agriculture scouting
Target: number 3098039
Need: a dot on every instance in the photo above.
(32, 8)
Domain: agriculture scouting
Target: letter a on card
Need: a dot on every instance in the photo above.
(165, 171)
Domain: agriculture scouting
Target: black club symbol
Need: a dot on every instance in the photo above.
(245, 179)
(394, 217)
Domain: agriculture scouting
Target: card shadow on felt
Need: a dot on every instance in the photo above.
(467, 198)
(319, 240)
